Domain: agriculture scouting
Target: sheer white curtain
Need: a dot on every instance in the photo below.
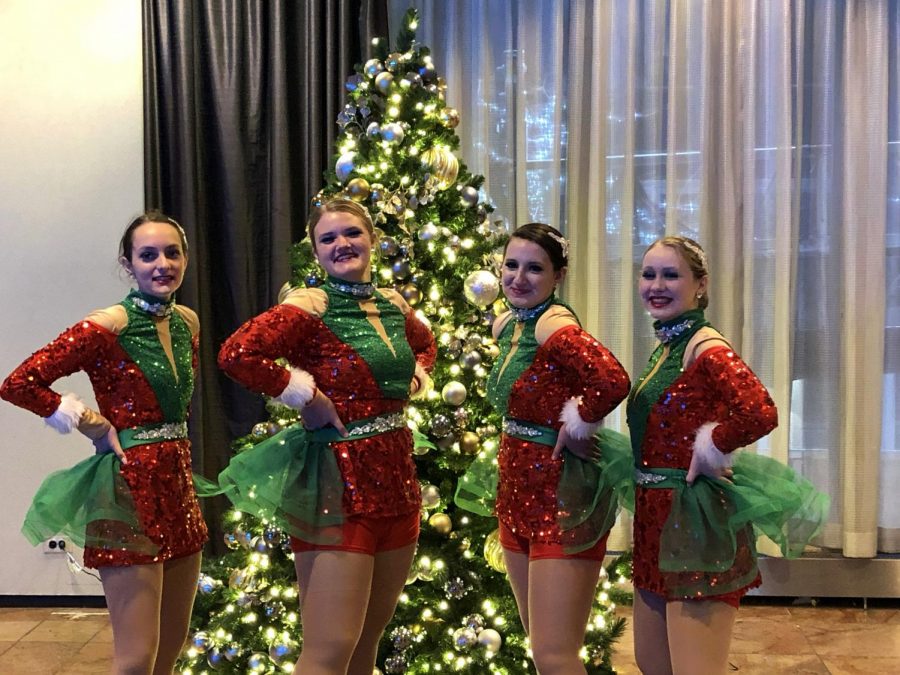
(767, 129)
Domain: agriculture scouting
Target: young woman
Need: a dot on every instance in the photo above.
(553, 383)
(694, 530)
(344, 487)
(132, 505)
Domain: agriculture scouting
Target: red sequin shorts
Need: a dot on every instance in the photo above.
(364, 534)
(536, 550)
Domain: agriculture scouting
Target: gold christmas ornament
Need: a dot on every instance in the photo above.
(441, 163)
(450, 118)
(358, 189)
(469, 443)
(493, 552)
(392, 62)
(383, 81)
(373, 67)
(411, 294)
(424, 569)
(441, 522)
(431, 496)
(413, 575)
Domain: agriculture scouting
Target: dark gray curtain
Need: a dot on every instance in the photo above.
(241, 98)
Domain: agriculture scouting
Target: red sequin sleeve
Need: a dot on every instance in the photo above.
(28, 386)
(594, 373)
(249, 356)
(421, 341)
(750, 412)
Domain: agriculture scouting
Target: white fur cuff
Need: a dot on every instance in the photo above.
(67, 416)
(709, 454)
(299, 390)
(426, 384)
(577, 427)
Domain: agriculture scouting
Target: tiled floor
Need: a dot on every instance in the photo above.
(840, 640)
(768, 639)
(40, 641)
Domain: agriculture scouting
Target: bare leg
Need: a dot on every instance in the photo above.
(651, 639)
(388, 579)
(334, 594)
(133, 596)
(560, 594)
(517, 569)
(702, 631)
(179, 587)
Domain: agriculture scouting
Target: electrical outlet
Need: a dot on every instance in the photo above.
(55, 545)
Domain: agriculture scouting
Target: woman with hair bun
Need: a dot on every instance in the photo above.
(343, 484)
(553, 383)
(132, 505)
(698, 508)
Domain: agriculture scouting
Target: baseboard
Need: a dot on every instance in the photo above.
(830, 577)
(52, 601)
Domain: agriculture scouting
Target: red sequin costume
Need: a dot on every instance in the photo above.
(717, 387)
(378, 472)
(158, 474)
(552, 362)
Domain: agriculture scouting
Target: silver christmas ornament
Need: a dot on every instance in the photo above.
(469, 196)
(454, 393)
(481, 288)
(345, 165)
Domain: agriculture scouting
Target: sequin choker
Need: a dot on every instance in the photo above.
(357, 289)
(526, 313)
(668, 331)
(151, 304)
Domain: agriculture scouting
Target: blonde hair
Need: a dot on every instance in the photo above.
(338, 205)
(693, 254)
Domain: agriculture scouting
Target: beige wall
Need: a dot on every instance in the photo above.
(71, 176)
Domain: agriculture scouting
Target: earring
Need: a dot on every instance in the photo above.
(699, 295)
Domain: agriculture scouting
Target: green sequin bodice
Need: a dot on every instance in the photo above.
(140, 340)
(657, 377)
(392, 362)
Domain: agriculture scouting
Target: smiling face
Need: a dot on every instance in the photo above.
(158, 259)
(667, 286)
(343, 246)
(528, 276)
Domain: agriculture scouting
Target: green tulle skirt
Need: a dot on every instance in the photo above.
(711, 519)
(91, 505)
(292, 479)
(588, 493)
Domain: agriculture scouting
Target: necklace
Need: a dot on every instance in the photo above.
(356, 289)
(155, 306)
(666, 334)
(669, 331)
(526, 313)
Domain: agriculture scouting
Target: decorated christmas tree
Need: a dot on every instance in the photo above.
(440, 246)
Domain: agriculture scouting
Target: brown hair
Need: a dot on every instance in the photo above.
(548, 238)
(338, 205)
(693, 254)
(152, 216)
